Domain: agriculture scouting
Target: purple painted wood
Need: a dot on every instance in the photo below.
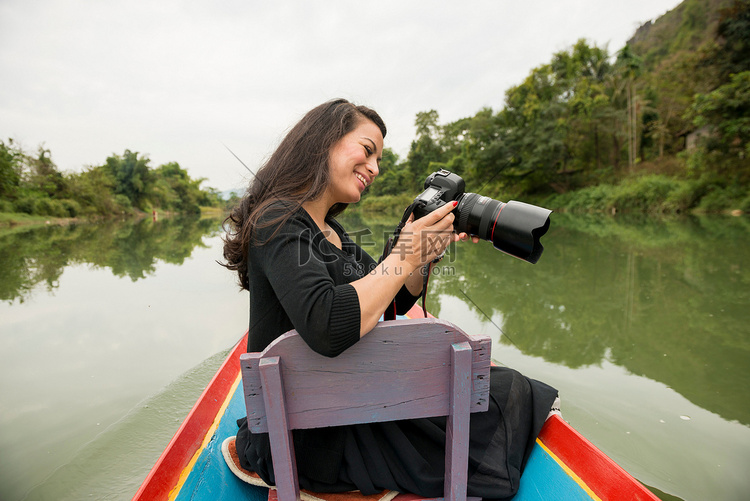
(401, 369)
(457, 427)
(282, 447)
(254, 404)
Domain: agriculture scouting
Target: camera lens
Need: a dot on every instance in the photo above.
(475, 214)
(514, 228)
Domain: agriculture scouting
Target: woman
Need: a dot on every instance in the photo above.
(303, 272)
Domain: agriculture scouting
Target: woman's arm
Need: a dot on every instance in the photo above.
(419, 243)
(415, 282)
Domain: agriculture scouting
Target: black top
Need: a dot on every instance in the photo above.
(300, 280)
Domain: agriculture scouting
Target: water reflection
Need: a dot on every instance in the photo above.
(76, 362)
(663, 298)
(611, 300)
(36, 257)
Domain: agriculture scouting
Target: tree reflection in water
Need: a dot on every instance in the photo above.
(36, 257)
(664, 298)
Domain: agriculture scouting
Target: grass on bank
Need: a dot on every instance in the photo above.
(641, 194)
(20, 218)
(655, 194)
(11, 219)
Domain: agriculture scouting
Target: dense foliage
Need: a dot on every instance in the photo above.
(662, 125)
(665, 119)
(32, 184)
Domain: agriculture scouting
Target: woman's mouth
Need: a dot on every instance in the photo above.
(361, 178)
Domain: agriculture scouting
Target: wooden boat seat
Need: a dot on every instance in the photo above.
(402, 369)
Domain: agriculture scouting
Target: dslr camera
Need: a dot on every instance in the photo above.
(514, 227)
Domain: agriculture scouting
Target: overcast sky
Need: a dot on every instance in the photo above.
(178, 80)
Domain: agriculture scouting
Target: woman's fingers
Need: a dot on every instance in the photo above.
(426, 238)
(465, 236)
(438, 216)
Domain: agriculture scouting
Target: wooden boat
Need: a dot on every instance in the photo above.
(563, 464)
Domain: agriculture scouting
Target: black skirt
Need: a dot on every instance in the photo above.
(409, 455)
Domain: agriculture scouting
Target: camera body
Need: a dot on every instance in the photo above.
(514, 227)
(441, 187)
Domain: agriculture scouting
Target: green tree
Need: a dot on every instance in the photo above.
(534, 132)
(393, 179)
(733, 32)
(10, 169)
(425, 149)
(673, 83)
(175, 188)
(94, 190)
(44, 176)
(726, 113)
(470, 144)
(131, 175)
(583, 72)
(210, 197)
(629, 64)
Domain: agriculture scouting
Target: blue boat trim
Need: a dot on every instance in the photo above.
(210, 478)
(545, 479)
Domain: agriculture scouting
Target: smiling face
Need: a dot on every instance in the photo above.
(354, 162)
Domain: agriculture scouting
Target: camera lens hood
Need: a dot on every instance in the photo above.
(518, 228)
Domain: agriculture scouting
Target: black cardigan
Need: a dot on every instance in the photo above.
(299, 280)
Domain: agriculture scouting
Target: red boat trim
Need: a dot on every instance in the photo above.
(597, 472)
(165, 474)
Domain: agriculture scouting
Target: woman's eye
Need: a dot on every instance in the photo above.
(368, 151)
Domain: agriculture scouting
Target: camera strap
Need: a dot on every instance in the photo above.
(397, 232)
(390, 312)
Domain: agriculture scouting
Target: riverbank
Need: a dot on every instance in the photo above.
(639, 193)
(12, 219)
(656, 194)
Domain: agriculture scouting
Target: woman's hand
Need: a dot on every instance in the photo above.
(432, 242)
(423, 240)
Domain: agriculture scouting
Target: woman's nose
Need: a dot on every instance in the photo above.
(373, 167)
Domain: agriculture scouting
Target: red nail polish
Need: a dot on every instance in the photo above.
(455, 202)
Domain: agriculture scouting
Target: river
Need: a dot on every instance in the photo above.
(109, 332)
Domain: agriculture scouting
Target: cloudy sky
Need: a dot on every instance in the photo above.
(178, 80)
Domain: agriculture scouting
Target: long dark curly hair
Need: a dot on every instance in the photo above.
(297, 172)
